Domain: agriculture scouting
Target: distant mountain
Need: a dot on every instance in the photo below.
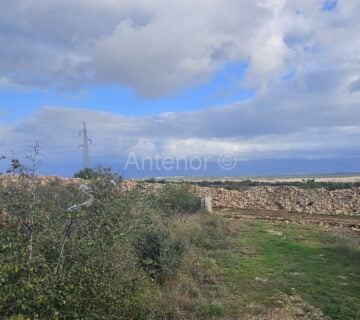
(253, 168)
(259, 168)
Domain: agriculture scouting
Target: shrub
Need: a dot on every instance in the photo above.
(92, 174)
(69, 264)
(177, 199)
(158, 254)
(86, 174)
(63, 256)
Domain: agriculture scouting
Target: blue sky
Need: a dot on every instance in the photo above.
(262, 81)
(330, 5)
(223, 88)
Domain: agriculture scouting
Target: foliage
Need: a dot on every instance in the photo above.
(154, 180)
(177, 199)
(304, 184)
(159, 255)
(84, 251)
(69, 264)
(91, 174)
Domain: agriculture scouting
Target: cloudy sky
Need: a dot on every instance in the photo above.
(257, 79)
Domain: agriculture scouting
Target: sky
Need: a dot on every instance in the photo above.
(270, 85)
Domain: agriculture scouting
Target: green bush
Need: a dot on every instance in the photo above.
(177, 199)
(109, 259)
(70, 264)
(92, 174)
(158, 254)
(87, 174)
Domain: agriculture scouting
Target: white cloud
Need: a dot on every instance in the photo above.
(157, 47)
(251, 132)
(304, 60)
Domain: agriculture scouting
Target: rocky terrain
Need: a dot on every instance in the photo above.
(282, 198)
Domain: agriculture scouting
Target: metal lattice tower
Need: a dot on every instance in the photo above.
(85, 146)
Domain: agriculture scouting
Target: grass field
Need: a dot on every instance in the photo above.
(266, 271)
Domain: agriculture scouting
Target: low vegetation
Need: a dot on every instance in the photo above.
(265, 266)
(91, 174)
(93, 252)
(305, 184)
(89, 251)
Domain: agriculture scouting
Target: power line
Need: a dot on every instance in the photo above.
(85, 146)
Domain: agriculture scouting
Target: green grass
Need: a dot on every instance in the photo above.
(257, 265)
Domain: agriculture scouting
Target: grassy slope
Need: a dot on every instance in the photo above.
(254, 266)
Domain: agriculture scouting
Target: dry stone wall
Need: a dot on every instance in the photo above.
(287, 199)
(282, 198)
(9, 180)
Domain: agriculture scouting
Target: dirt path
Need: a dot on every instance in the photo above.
(320, 221)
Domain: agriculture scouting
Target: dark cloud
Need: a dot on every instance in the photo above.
(354, 86)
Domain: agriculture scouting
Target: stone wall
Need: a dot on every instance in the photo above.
(282, 198)
(287, 199)
(8, 180)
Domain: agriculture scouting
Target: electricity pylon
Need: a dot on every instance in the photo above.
(85, 146)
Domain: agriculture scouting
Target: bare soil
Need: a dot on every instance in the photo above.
(350, 223)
